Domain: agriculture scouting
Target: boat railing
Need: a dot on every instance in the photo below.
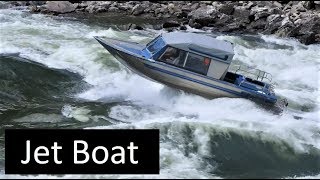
(253, 73)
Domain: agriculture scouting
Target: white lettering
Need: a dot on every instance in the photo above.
(132, 148)
(106, 155)
(76, 151)
(27, 153)
(121, 154)
(37, 154)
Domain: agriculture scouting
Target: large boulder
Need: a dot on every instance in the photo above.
(60, 6)
(307, 30)
(261, 14)
(298, 8)
(223, 20)
(204, 15)
(274, 21)
(138, 9)
(241, 14)
(226, 9)
(277, 4)
(257, 26)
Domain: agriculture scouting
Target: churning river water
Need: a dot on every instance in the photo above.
(54, 74)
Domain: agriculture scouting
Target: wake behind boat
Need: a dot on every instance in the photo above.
(195, 63)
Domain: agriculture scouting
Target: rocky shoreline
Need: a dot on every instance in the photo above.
(297, 19)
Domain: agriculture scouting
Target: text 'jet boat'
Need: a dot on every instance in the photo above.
(195, 63)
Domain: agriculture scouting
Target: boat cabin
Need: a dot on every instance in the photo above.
(194, 52)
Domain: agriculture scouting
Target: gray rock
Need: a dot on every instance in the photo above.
(242, 14)
(90, 8)
(137, 9)
(287, 6)
(83, 5)
(277, 4)
(226, 9)
(113, 9)
(286, 22)
(261, 14)
(206, 2)
(308, 4)
(223, 20)
(298, 8)
(272, 18)
(104, 4)
(33, 8)
(274, 21)
(293, 17)
(169, 24)
(132, 3)
(60, 6)
(203, 12)
(257, 26)
(250, 5)
(194, 24)
(183, 27)
(80, 9)
(154, 6)
(282, 32)
(317, 5)
(186, 8)
(181, 14)
(297, 22)
(101, 9)
(166, 16)
(275, 10)
(194, 6)
(307, 30)
(157, 11)
(37, 3)
(146, 10)
(114, 4)
(232, 27)
(171, 8)
(125, 7)
(43, 10)
(264, 3)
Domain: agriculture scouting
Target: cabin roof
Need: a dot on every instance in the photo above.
(199, 42)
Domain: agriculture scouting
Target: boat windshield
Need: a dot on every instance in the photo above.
(156, 45)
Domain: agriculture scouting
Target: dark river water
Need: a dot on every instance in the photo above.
(53, 74)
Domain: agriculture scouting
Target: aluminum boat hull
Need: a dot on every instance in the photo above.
(176, 77)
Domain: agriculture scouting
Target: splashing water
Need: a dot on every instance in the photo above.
(199, 138)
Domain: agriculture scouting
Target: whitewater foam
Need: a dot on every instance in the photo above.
(70, 45)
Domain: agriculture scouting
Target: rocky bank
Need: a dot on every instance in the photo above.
(298, 19)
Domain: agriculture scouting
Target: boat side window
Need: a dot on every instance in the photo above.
(155, 46)
(197, 63)
(173, 56)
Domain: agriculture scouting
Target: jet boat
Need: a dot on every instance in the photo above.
(195, 63)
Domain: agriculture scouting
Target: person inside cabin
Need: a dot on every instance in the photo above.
(171, 55)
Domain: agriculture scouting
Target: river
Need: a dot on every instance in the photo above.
(54, 74)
